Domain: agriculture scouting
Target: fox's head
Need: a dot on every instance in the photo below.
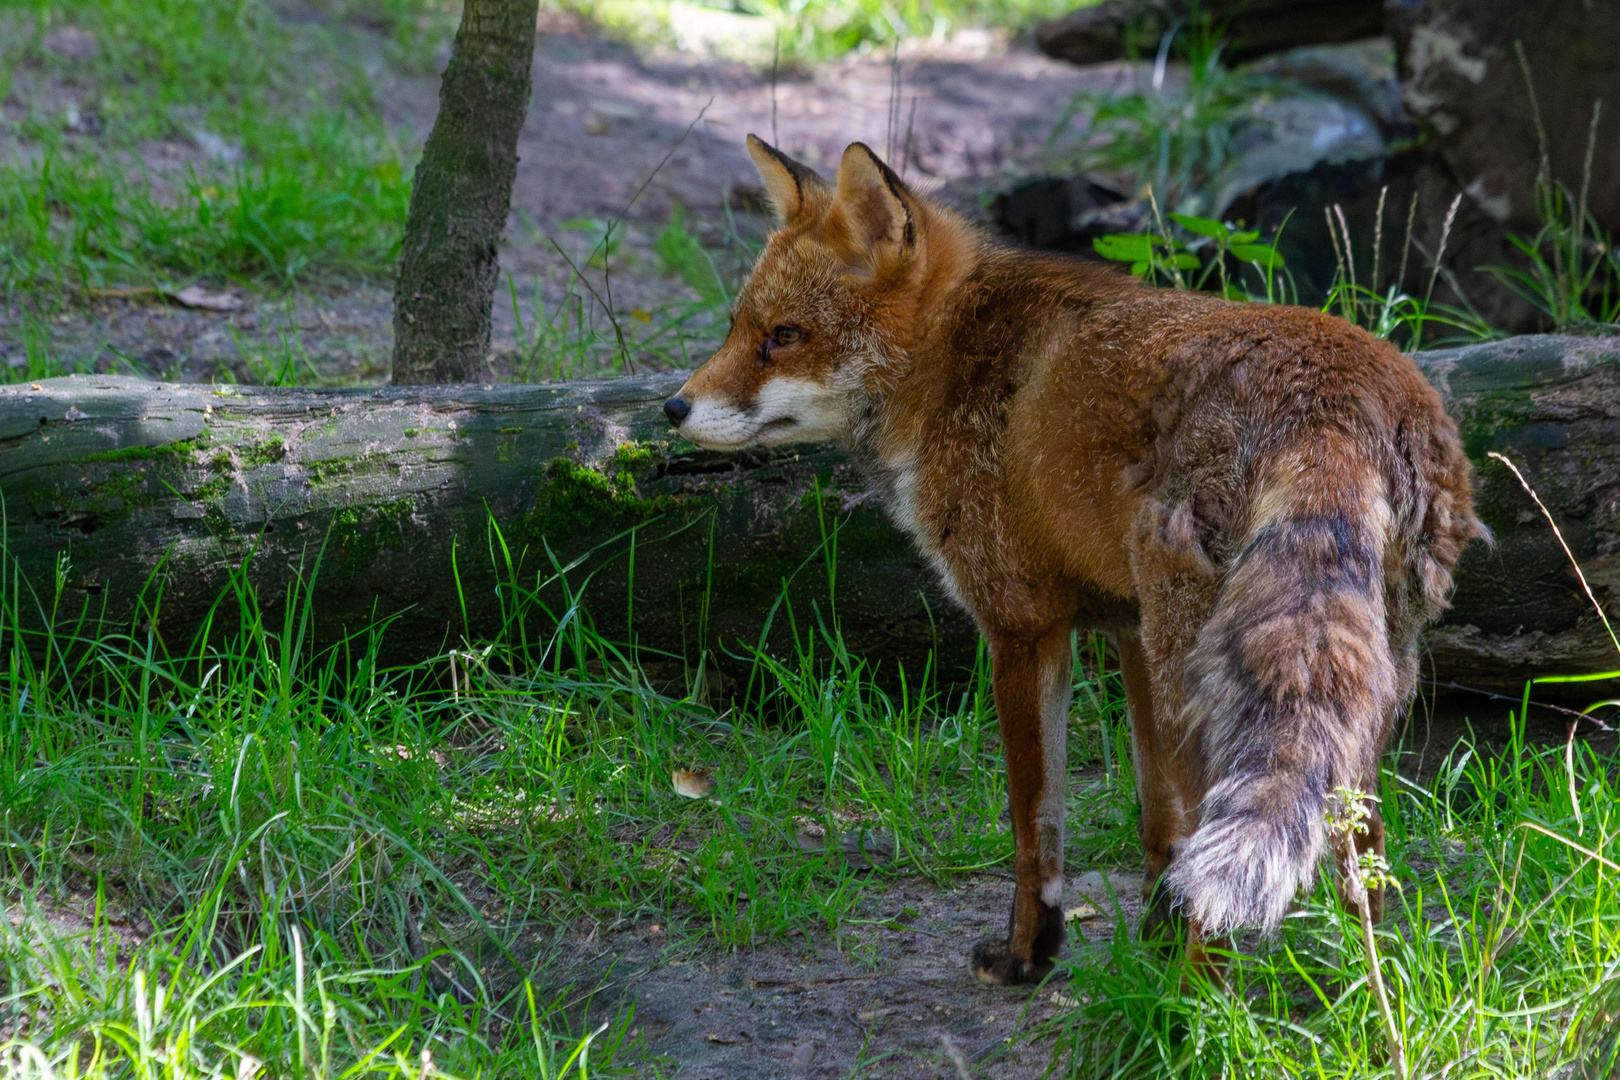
(825, 319)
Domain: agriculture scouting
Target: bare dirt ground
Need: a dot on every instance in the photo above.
(891, 997)
(959, 118)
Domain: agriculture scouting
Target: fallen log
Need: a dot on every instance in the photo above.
(437, 502)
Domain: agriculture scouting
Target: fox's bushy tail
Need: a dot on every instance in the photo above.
(1290, 686)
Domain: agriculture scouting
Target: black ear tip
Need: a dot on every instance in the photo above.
(677, 409)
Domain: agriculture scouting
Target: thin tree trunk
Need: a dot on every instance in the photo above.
(448, 264)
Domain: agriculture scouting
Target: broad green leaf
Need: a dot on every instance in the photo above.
(1201, 226)
(1124, 247)
(1185, 262)
(1259, 254)
(1245, 237)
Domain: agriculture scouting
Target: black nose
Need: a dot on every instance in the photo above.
(676, 409)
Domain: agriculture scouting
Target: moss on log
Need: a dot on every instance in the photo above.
(395, 490)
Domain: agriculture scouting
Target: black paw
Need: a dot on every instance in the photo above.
(995, 965)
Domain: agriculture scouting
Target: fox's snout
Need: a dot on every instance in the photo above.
(777, 410)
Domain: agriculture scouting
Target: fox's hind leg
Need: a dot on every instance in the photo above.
(1032, 687)
(1176, 583)
(1162, 784)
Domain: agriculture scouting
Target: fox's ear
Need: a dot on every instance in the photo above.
(876, 207)
(789, 186)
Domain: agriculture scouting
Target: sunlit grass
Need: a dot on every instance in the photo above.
(323, 861)
(320, 860)
(297, 178)
(1501, 948)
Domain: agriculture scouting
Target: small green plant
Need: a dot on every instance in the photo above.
(682, 254)
(1347, 819)
(1172, 136)
(1207, 255)
(280, 364)
(1572, 270)
(1387, 311)
(1201, 259)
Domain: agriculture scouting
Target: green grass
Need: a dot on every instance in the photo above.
(337, 859)
(304, 181)
(1175, 132)
(1501, 949)
(1182, 251)
(801, 31)
(1570, 269)
(322, 862)
(582, 332)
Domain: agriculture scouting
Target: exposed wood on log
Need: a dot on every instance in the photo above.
(109, 476)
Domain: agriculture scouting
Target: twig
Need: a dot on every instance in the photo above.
(1586, 183)
(1567, 553)
(1492, 695)
(1338, 255)
(1350, 261)
(604, 244)
(905, 147)
(1349, 254)
(1535, 109)
(1406, 247)
(776, 59)
(1574, 791)
(1434, 275)
(894, 102)
(665, 160)
(585, 281)
(1567, 842)
(1169, 244)
(1378, 240)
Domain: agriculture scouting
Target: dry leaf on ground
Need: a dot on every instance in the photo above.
(195, 296)
(692, 783)
(1083, 910)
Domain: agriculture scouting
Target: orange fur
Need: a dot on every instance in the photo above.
(1261, 506)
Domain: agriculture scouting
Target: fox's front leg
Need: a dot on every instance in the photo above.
(1032, 688)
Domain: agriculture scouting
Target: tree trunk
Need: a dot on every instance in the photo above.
(394, 492)
(448, 263)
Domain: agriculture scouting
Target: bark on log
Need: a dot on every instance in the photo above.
(110, 476)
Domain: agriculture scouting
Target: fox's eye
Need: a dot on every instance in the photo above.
(786, 335)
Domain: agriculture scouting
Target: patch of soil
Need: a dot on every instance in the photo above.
(892, 996)
(607, 131)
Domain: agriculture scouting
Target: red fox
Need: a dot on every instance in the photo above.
(1260, 505)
